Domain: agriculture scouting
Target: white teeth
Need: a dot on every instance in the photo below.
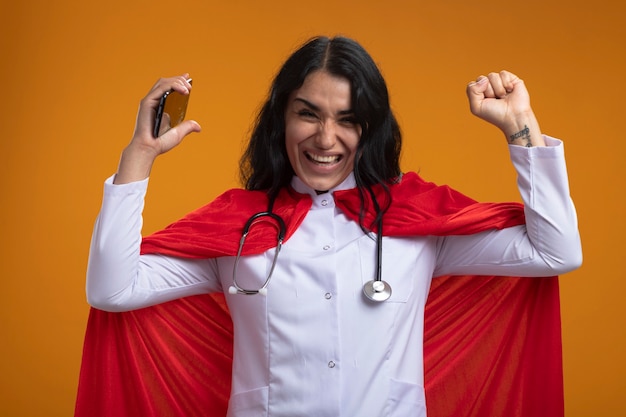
(323, 159)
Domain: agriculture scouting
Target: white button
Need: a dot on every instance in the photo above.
(331, 364)
(328, 296)
(324, 202)
(326, 247)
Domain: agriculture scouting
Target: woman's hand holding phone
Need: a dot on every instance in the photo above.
(139, 156)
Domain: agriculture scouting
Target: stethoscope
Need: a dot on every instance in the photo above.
(375, 290)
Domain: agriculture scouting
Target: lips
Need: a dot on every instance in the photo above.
(323, 159)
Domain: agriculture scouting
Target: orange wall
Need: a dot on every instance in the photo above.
(73, 72)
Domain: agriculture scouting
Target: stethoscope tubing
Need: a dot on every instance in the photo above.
(375, 290)
(282, 231)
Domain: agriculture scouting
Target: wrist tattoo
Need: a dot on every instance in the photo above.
(522, 136)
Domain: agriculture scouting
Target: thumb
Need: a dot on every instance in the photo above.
(175, 135)
(188, 126)
(476, 93)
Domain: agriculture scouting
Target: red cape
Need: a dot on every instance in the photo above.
(492, 345)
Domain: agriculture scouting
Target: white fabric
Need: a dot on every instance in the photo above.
(314, 346)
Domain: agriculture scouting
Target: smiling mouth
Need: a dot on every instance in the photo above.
(323, 159)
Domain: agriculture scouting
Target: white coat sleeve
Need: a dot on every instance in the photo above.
(548, 244)
(118, 277)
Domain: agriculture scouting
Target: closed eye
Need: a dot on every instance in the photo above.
(306, 113)
(350, 120)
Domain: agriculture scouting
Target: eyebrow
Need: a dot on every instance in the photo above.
(317, 109)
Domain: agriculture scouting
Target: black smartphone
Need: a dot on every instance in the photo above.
(170, 112)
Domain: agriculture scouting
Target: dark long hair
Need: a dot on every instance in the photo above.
(265, 164)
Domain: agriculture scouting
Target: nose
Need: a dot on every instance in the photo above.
(327, 135)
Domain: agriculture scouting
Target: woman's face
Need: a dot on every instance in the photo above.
(321, 134)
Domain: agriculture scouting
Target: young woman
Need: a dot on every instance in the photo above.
(328, 309)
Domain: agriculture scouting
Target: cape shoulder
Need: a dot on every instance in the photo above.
(423, 208)
(215, 229)
(417, 208)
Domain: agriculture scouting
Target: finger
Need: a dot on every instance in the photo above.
(489, 90)
(181, 84)
(497, 85)
(484, 86)
(177, 82)
(509, 81)
(149, 104)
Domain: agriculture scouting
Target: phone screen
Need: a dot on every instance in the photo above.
(170, 112)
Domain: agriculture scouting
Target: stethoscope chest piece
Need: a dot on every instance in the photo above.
(377, 290)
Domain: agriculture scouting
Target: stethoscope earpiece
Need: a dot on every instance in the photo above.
(377, 290)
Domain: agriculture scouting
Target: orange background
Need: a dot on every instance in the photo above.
(74, 71)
